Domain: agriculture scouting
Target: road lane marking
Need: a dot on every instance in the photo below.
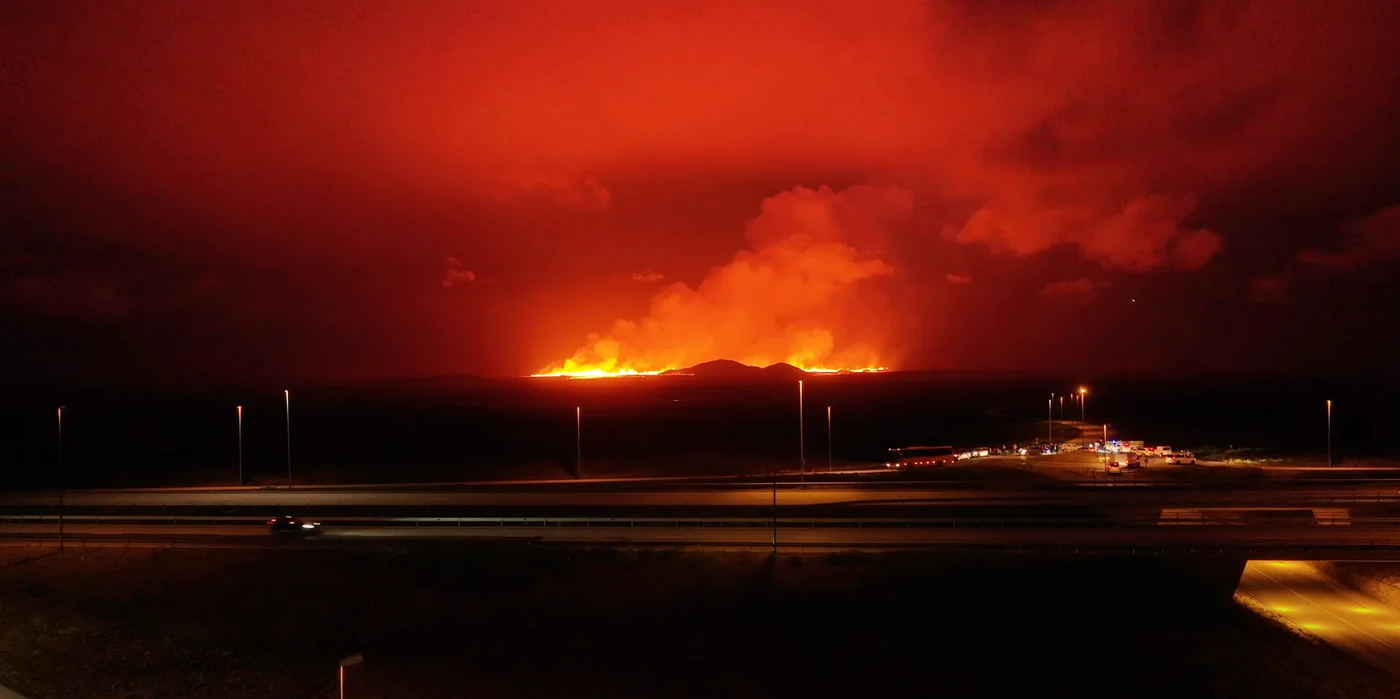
(1305, 598)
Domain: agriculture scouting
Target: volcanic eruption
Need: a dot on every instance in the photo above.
(796, 295)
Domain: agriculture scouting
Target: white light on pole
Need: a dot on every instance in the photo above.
(240, 445)
(1329, 433)
(60, 476)
(287, 396)
(355, 659)
(801, 437)
(829, 439)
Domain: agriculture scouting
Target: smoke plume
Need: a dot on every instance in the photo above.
(785, 299)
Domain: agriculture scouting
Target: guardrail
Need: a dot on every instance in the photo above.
(1233, 520)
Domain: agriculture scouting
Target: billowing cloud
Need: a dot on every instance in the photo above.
(1373, 240)
(456, 276)
(647, 276)
(958, 279)
(1146, 234)
(583, 193)
(783, 300)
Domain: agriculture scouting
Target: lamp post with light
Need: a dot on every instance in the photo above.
(801, 437)
(239, 409)
(355, 659)
(1083, 393)
(60, 477)
(287, 396)
(829, 439)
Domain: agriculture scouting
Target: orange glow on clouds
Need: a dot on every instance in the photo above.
(786, 299)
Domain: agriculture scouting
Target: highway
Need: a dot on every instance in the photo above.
(1346, 618)
(746, 495)
(1181, 539)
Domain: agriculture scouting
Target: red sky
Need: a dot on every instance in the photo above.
(359, 189)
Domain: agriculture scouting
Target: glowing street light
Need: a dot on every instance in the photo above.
(801, 437)
(355, 659)
(287, 396)
(1082, 393)
(829, 439)
(1050, 419)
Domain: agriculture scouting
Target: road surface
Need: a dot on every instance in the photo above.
(1345, 618)
(6, 693)
(1178, 538)
(724, 496)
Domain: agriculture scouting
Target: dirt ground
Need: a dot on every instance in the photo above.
(527, 621)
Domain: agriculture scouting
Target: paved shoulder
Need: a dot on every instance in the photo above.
(9, 694)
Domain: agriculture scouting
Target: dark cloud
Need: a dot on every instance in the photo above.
(456, 276)
(1070, 287)
(1375, 240)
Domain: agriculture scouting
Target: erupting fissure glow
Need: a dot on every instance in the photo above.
(593, 373)
(596, 373)
(804, 293)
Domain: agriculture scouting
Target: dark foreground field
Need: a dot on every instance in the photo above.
(536, 622)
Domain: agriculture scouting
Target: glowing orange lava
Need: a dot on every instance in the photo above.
(573, 371)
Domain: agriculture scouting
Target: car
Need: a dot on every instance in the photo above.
(1114, 468)
(288, 524)
(1124, 460)
(1181, 458)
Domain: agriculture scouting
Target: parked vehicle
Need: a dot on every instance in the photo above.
(1182, 458)
(1124, 459)
(916, 457)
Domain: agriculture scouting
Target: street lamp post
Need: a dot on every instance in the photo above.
(240, 445)
(1082, 395)
(828, 439)
(355, 659)
(1329, 433)
(287, 396)
(60, 477)
(1050, 419)
(801, 437)
(578, 441)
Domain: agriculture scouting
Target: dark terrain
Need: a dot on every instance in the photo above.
(455, 429)
(503, 621)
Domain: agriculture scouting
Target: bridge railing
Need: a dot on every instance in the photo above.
(1229, 519)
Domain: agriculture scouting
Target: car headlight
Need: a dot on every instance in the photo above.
(308, 526)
